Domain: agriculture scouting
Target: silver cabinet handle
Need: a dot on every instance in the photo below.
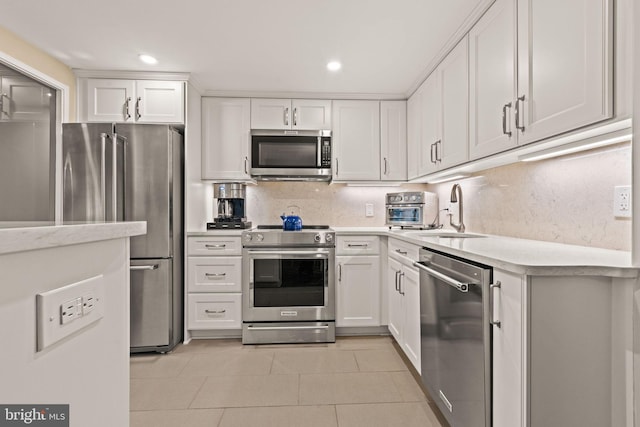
(504, 118)
(127, 114)
(517, 113)
(215, 311)
(286, 116)
(215, 246)
(246, 165)
(337, 168)
(462, 287)
(143, 267)
(400, 282)
(216, 275)
(359, 245)
(439, 151)
(295, 116)
(385, 166)
(492, 321)
(401, 252)
(4, 95)
(432, 156)
(138, 102)
(339, 272)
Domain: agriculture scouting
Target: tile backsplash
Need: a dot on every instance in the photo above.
(566, 200)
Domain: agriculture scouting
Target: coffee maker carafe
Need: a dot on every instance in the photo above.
(230, 200)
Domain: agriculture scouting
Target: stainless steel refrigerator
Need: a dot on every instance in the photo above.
(134, 172)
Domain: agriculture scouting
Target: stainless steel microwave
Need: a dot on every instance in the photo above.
(291, 155)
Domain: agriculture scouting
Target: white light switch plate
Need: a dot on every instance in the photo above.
(63, 311)
(368, 209)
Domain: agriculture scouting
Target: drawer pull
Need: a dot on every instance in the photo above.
(215, 246)
(401, 252)
(354, 245)
(215, 311)
(215, 275)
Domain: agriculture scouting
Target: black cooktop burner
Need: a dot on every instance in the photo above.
(304, 227)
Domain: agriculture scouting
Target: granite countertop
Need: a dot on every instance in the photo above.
(25, 236)
(522, 256)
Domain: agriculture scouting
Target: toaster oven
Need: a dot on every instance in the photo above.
(415, 209)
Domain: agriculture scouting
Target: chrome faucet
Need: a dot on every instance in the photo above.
(456, 196)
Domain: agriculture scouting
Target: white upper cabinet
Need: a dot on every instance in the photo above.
(134, 101)
(564, 66)
(440, 105)
(393, 140)
(23, 99)
(225, 138)
(301, 114)
(492, 81)
(356, 140)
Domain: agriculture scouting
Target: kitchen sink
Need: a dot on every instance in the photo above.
(450, 235)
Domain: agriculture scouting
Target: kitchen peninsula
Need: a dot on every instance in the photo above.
(56, 354)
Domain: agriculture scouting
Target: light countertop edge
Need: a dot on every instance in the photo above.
(25, 237)
(521, 256)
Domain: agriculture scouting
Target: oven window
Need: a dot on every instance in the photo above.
(274, 152)
(289, 282)
(405, 214)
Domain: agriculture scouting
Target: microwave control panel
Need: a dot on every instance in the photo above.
(325, 155)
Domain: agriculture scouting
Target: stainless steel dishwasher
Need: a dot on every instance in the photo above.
(456, 337)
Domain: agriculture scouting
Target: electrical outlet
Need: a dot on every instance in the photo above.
(368, 209)
(622, 201)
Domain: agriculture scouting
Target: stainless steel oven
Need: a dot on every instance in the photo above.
(288, 290)
(415, 209)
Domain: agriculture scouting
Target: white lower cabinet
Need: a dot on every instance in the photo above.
(403, 293)
(507, 350)
(214, 283)
(358, 281)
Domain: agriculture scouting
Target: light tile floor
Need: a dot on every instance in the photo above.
(359, 381)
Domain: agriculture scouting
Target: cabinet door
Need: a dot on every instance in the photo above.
(492, 81)
(453, 75)
(356, 140)
(429, 124)
(414, 130)
(159, 101)
(214, 274)
(271, 113)
(110, 100)
(225, 138)
(393, 140)
(410, 291)
(24, 99)
(564, 65)
(507, 350)
(311, 114)
(214, 311)
(394, 300)
(358, 291)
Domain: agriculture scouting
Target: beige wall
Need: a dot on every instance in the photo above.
(565, 200)
(14, 46)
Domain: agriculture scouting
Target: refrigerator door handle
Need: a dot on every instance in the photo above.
(143, 267)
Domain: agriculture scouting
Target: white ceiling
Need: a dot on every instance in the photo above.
(251, 46)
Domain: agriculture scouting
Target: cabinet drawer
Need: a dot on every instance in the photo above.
(214, 274)
(357, 245)
(214, 311)
(406, 253)
(212, 246)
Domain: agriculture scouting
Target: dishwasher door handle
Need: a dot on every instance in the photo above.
(462, 287)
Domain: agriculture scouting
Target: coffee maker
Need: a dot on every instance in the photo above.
(230, 200)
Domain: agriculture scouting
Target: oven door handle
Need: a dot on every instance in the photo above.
(279, 328)
(280, 253)
(462, 287)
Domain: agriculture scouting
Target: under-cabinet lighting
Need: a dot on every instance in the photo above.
(447, 178)
(148, 59)
(578, 146)
(334, 66)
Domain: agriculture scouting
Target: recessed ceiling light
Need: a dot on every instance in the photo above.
(148, 59)
(334, 66)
